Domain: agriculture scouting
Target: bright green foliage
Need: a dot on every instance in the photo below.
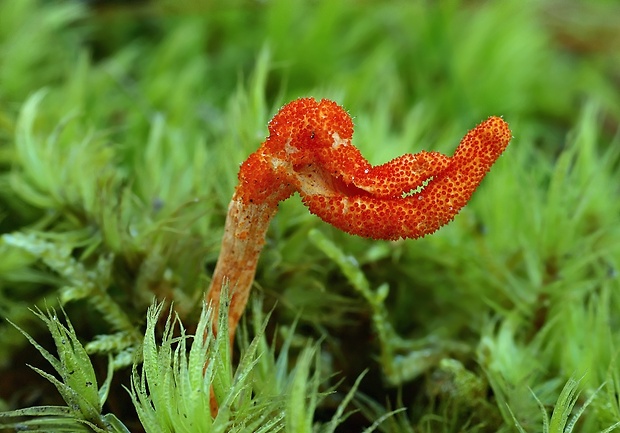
(174, 389)
(401, 359)
(122, 127)
(81, 283)
(78, 387)
(560, 422)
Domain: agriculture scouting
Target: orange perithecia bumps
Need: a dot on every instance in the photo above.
(309, 151)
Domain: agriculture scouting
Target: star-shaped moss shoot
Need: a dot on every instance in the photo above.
(309, 151)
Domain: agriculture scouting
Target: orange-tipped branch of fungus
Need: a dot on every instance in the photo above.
(309, 151)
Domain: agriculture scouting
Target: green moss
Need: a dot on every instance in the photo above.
(122, 128)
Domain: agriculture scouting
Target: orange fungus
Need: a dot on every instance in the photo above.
(309, 151)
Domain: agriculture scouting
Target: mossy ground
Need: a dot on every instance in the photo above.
(122, 127)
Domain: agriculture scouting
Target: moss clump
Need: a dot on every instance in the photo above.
(121, 130)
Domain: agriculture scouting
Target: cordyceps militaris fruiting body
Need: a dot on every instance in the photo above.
(309, 151)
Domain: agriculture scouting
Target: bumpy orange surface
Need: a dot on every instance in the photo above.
(309, 151)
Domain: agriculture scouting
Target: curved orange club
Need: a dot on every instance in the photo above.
(309, 151)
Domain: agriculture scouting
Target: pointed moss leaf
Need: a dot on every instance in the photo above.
(52, 424)
(223, 374)
(301, 403)
(274, 423)
(517, 425)
(573, 421)
(244, 373)
(78, 386)
(237, 398)
(184, 375)
(386, 416)
(563, 407)
(200, 349)
(142, 402)
(611, 428)
(157, 362)
(47, 355)
(543, 412)
(77, 404)
(115, 424)
(105, 386)
(271, 373)
(77, 370)
(37, 411)
(166, 397)
(340, 416)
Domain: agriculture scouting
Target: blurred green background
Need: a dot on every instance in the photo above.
(116, 174)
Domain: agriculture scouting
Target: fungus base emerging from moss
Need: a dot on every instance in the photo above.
(309, 151)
